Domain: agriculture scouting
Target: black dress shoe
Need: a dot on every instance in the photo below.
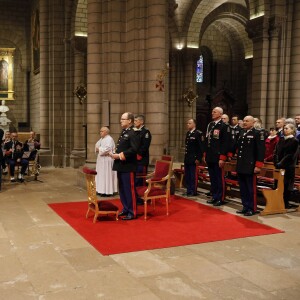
(211, 201)
(242, 211)
(127, 218)
(249, 213)
(185, 194)
(122, 213)
(219, 203)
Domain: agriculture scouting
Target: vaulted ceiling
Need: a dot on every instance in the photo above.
(190, 19)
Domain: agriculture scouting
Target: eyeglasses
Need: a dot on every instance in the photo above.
(124, 119)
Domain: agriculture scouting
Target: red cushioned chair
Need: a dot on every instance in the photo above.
(202, 173)
(158, 185)
(99, 207)
(167, 157)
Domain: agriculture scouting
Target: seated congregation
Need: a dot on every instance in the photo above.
(20, 155)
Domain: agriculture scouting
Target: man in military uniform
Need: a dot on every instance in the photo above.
(234, 129)
(194, 149)
(143, 152)
(250, 148)
(14, 155)
(125, 164)
(217, 147)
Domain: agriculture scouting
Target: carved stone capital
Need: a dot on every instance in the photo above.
(275, 25)
(79, 43)
(172, 7)
(257, 28)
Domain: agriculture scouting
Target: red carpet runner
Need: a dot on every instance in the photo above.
(188, 223)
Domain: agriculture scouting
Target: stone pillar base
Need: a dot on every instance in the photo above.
(77, 158)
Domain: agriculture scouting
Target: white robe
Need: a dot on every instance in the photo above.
(106, 178)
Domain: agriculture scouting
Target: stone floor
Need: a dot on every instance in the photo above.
(41, 257)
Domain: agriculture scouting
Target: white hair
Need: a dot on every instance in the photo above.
(219, 109)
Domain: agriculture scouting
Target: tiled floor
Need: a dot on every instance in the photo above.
(41, 257)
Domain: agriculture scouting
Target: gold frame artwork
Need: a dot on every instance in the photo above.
(7, 73)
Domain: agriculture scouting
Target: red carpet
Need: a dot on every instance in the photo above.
(188, 223)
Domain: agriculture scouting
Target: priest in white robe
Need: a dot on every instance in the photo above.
(106, 178)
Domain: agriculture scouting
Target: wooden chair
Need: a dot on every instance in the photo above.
(34, 166)
(179, 176)
(167, 157)
(158, 185)
(99, 207)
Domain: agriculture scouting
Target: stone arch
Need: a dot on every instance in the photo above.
(233, 17)
(198, 9)
(79, 18)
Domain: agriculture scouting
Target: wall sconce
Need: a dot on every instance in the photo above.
(80, 92)
(189, 96)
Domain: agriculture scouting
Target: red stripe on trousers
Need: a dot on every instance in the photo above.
(223, 183)
(133, 196)
(254, 193)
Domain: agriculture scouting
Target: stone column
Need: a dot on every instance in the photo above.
(44, 76)
(95, 17)
(294, 102)
(273, 72)
(157, 105)
(176, 103)
(257, 31)
(78, 153)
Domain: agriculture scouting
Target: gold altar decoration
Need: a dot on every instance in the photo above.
(7, 73)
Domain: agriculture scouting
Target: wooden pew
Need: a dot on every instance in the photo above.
(297, 181)
(297, 177)
(273, 197)
(229, 173)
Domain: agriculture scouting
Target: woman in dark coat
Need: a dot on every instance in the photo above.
(285, 157)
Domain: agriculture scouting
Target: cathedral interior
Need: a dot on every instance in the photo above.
(69, 67)
(74, 66)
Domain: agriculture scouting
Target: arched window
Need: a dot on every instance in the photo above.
(199, 69)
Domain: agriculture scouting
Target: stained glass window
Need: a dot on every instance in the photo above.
(199, 69)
